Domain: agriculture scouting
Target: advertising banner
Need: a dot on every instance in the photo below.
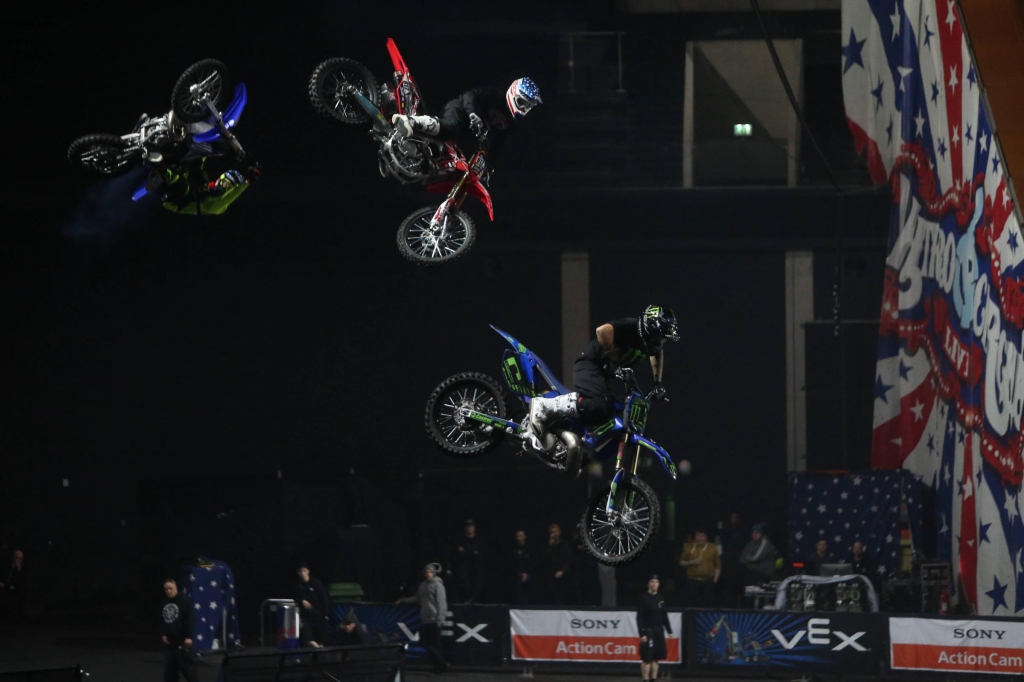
(590, 636)
(970, 646)
(470, 635)
(819, 642)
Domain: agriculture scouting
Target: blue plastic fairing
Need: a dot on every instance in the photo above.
(230, 116)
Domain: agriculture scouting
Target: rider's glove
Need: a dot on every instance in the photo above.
(476, 124)
(659, 390)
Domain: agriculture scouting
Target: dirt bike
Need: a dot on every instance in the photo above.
(193, 129)
(345, 91)
(468, 415)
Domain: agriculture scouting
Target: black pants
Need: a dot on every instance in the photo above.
(597, 392)
(430, 640)
(314, 628)
(701, 593)
(178, 661)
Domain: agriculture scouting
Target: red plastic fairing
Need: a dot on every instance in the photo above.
(471, 186)
(396, 57)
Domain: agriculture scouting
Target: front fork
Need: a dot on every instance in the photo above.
(224, 130)
(624, 467)
(440, 218)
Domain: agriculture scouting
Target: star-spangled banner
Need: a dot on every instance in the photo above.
(864, 506)
(949, 383)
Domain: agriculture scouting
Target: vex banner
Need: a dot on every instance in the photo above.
(592, 636)
(847, 642)
(970, 646)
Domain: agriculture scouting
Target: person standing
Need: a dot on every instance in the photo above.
(520, 568)
(758, 558)
(468, 564)
(556, 560)
(652, 624)
(703, 569)
(13, 588)
(433, 601)
(176, 630)
(311, 598)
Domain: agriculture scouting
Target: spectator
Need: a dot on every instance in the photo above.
(812, 566)
(758, 557)
(176, 633)
(652, 623)
(433, 601)
(555, 564)
(352, 631)
(863, 564)
(13, 588)
(311, 598)
(521, 569)
(703, 569)
(469, 572)
(733, 538)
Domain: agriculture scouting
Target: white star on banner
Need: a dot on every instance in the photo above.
(984, 142)
(821, 508)
(919, 122)
(803, 510)
(192, 577)
(1019, 564)
(1006, 196)
(888, 538)
(953, 81)
(199, 637)
(874, 507)
(213, 605)
(904, 72)
(839, 538)
(918, 411)
(968, 488)
(945, 474)
(844, 495)
(839, 511)
(821, 531)
(949, 15)
(213, 583)
(895, 17)
(945, 526)
(856, 480)
(799, 535)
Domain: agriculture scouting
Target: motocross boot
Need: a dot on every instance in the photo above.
(410, 125)
(545, 411)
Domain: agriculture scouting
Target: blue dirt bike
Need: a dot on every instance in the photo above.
(468, 414)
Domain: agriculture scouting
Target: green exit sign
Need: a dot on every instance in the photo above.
(742, 130)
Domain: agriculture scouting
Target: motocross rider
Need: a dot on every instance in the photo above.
(487, 108)
(619, 343)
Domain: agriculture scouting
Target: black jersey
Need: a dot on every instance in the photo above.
(629, 349)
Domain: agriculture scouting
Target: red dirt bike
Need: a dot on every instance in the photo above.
(345, 91)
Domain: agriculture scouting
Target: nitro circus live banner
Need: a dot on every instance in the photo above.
(972, 646)
(591, 636)
(949, 382)
(765, 640)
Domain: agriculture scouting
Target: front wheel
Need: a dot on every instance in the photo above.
(446, 426)
(331, 87)
(103, 154)
(619, 538)
(426, 245)
(206, 79)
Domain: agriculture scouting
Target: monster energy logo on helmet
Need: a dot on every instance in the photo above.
(657, 324)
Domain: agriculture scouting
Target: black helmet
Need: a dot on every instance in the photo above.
(658, 323)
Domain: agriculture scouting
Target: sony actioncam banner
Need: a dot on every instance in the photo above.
(590, 636)
(968, 646)
(818, 642)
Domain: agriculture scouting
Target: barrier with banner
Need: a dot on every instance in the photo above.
(778, 640)
(470, 635)
(970, 646)
(583, 636)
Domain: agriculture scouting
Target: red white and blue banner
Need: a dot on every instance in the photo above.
(949, 385)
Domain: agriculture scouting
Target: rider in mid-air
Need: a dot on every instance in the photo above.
(620, 343)
(488, 108)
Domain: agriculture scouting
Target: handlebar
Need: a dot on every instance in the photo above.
(629, 378)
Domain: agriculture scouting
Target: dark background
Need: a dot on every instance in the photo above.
(252, 385)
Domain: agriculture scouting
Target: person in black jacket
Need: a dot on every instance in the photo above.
(652, 624)
(311, 598)
(176, 628)
(556, 560)
(352, 631)
(474, 111)
(521, 569)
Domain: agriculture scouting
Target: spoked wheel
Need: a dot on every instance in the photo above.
(421, 243)
(205, 79)
(624, 535)
(332, 85)
(456, 435)
(106, 155)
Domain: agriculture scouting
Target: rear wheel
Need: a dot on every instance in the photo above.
(204, 79)
(103, 154)
(421, 243)
(622, 536)
(456, 435)
(331, 87)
